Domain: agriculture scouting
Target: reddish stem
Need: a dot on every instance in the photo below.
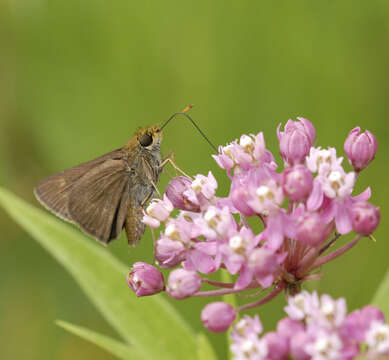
(326, 246)
(306, 262)
(219, 292)
(319, 262)
(218, 283)
(277, 289)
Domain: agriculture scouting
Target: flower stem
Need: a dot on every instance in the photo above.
(221, 292)
(218, 283)
(319, 262)
(326, 246)
(277, 289)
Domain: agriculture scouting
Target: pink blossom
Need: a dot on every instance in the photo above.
(296, 140)
(183, 283)
(218, 316)
(364, 217)
(247, 327)
(145, 279)
(236, 251)
(377, 338)
(175, 192)
(158, 211)
(360, 148)
(298, 213)
(297, 182)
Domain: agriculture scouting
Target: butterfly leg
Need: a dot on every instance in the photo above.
(149, 196)
(170, 159)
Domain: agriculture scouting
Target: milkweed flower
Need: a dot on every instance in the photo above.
(317, 328)
(360, 148)
(301, 207)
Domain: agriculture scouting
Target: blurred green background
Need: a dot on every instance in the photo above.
(77, 78)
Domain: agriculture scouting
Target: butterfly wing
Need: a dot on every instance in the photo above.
(54, 191)
(142, 185)
(99, 200)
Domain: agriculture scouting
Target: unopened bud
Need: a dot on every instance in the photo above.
(183, 283)
(360, 148)
(218, 316)
(145, 279)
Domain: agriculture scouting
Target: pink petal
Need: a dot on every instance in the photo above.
(342, 219)
(364, 196)
(274, 232)
(245, 278)
(316, 198)
(202, 262)
(329, 211)
(266, 281)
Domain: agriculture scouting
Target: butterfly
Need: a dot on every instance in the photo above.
(107, 194)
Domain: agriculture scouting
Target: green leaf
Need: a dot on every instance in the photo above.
(150, 324)
(112, 346)
(204, 348)
(381, 297)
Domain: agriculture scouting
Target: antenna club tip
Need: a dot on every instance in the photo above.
(188, 108)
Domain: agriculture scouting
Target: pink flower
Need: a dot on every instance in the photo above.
(175, 191)
(247, 327)
(311, 228)
(357, 323)
(183, 283)
(297, 214)
(218, 316)
(236, 251)
(326, 346)
(360, 148)
(262, 265)
(296, 140)
(297, 182)
(364, 217)
(145, 279)
(158, 211)
(377, 338)
(250, 349)
(298, 345)
(267, 198)
(201, 191)
(302, 305)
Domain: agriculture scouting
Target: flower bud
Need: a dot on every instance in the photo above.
(175, 192)
(365, 217)
(360, 148)
(169, 252)
(296, 140)
(277, 345)
(218, 316)
(298, 345)
(145, 279)
(287, 327)
(311, 229)
(239, 198)
(297, 182)
(183, 283)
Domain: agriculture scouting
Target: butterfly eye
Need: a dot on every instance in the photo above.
(146, 140)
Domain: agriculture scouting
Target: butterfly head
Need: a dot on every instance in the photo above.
(148, 138)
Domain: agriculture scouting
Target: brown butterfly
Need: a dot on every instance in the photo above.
(106, 194)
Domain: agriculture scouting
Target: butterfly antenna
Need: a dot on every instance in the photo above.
(183, 112)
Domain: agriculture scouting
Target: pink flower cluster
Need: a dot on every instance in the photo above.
(316, 328)
(303, 209)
